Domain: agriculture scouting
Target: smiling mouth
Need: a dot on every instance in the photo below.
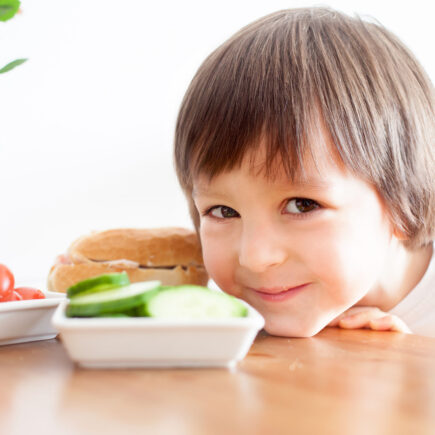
(278, 293)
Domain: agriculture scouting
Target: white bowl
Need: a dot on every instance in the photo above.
(28, 320)
(110, 342)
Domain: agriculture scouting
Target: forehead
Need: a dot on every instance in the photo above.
(317, 171)
(300, 162)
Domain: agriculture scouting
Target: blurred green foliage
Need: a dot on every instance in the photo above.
(8, 8)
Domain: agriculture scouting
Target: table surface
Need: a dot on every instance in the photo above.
(339, 382)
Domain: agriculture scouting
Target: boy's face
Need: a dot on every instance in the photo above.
(301, 254)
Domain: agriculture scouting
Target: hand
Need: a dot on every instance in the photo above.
(369, 318)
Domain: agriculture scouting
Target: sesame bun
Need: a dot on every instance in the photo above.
(170, 255)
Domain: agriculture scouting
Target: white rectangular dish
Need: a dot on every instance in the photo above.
(148, 342)
(28, 320)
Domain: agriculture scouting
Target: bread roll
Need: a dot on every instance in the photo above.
(170, 255)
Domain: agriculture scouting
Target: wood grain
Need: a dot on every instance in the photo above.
(339, 382)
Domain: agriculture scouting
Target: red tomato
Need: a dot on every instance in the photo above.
(6, 282)
(13, 296)
(29, 293)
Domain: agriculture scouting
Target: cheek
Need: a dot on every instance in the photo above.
(218, 254)
(349, 256)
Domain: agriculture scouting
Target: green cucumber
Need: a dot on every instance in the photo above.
(192, 302)
(142, 309)
(99, 283)
(119, 300)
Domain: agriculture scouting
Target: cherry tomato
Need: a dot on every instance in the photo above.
(13, 296)
(7, 282)
(29, 293)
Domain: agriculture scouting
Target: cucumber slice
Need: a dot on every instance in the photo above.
(113, 301)
(99, 283)
(142, 309)
(192, 302)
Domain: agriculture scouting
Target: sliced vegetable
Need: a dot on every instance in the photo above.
(29, 293)
(7, 282)
(98, 284)
(14, 296)
(192, 302)
(142, 309)
(113, 301)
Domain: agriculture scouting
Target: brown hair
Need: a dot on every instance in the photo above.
(276, 76)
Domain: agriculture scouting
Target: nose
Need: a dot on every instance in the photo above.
(261, 248)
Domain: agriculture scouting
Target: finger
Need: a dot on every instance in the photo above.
(334, 322)
(360, 320)
(400, 326)
(382, 323)
(389, 323)
(352, 322)
(351, 312)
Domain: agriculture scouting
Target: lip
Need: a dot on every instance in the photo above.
(276, 294)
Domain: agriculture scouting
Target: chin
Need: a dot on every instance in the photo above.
(289, 329)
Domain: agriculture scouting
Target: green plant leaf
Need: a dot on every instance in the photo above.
(12, 65)
(8, 8)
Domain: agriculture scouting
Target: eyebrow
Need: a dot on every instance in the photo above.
(310, 184)
(317, 185)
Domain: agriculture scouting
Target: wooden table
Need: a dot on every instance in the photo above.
(339, 382)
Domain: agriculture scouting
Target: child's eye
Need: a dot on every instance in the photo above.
(222, 212)
(301, 205)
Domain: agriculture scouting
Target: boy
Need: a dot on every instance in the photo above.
(304, 145)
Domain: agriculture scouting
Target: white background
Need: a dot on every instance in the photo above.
(86, 125)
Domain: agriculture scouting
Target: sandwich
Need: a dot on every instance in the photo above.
(171, 255)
